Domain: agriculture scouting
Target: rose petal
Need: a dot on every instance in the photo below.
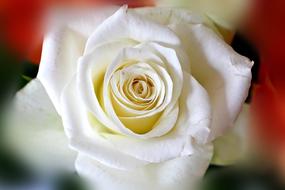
(61, 49)
(129, 25)
(82, 21)
(168, 16)
(35, 133)
(91, 71)
(154, 150)
(234, 145)
(63, 44)
(181, 173)
(225, 74)
(173, 65)
(195, 115)
(226, 13)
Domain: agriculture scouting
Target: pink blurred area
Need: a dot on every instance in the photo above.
(22, 21)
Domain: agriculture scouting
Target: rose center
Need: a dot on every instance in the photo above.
(141, 87)
(138, 93)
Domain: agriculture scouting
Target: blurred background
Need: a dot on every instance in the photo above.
(254, 28)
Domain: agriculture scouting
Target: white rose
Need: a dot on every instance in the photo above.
(141, 93)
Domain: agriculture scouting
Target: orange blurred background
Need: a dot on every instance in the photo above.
(21, 21)
(266, 28)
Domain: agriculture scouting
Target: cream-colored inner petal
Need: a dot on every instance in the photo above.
(138, 95)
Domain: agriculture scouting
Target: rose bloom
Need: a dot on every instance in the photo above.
(142, 93)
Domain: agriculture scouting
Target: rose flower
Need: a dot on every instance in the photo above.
(142, 93)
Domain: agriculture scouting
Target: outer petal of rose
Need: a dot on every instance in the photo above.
(35, 133)
(84, 138)
(225, 13)
(195, 110)
(61, 49)
(169, 16)
(63, 44)
(129, 25)
(225, 74)
(234, 145)
(181, 173)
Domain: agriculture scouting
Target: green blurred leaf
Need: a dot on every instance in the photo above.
(68, 181)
